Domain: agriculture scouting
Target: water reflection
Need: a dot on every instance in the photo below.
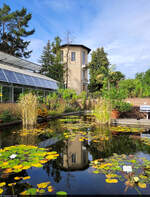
(75, 154)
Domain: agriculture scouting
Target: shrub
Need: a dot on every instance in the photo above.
(7, 116)
(9, 109)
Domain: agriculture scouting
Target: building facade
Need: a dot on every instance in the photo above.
(75, 60)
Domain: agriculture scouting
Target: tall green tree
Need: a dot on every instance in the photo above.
(51, 60)
(14, 31)
(98, 69)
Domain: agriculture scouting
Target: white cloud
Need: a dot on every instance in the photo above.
(123, 28)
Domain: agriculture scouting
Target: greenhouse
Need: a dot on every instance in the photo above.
(19, 76)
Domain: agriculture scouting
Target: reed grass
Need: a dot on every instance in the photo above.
(102, 111)
(13, 108)
(29, 109)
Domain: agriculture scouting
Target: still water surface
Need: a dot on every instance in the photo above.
(71, 171)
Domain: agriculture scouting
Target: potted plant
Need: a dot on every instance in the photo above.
(119, 107)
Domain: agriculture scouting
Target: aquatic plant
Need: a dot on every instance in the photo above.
(124, 129)
(102, 111)
(29, 109)
(114, 167)
(14, 159)
(41, 188)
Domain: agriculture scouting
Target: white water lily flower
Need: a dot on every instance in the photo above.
(127, 169)
(13, 156)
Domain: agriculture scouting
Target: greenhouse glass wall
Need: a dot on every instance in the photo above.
(20, 76)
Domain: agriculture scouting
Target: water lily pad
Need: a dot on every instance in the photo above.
(142, 185)
(96, 172)
(111, 180)
(61, 193)
(43, 185)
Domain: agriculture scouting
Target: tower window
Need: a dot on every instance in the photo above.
(61, 56)
(83, 57)
(73, 56)
(73, 158)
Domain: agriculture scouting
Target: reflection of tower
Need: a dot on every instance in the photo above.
(0, 139)
(75, 156)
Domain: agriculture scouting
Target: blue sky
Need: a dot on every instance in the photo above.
(122, 27)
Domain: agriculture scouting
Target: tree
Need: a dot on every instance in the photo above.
(51, 60)
(98, 68)
(13, 30)
(115, 77)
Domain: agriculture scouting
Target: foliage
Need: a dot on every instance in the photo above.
(51, 61)
(115, 77)
(98, 68)
(116, 96)
(102, 111)
(138, 87)
(26, 103)
(7, 116)
(83, 97)
(64, 100)
(13, 30)
(128, 86)
(121, 106)
(9, 112)
(67, 94)
(42, 110)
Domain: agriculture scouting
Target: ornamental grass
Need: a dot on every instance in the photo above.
(29, 109)
(102, 111)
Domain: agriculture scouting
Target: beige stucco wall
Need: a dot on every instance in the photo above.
(75, 76)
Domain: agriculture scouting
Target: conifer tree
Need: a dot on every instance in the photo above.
(51, 60)
(13, 30)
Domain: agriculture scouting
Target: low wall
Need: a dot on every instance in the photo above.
(138, 101)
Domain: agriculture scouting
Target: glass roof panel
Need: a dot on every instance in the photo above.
(10, 76)
(2, 76)
(29, 80)
(21, 78)
(18, 62)
(38, 82)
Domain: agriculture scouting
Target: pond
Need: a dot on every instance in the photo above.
(76, 156)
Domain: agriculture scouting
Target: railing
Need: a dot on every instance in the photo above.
(145, 108)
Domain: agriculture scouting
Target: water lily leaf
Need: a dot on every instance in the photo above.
(1, 191)
(109, 176)
(96, 172)
(2, 184)
(50, 188)
(11, 184)
(41, 191)
(43, 185)
(37, 165)
(111, 180)
(61, 193)
(26, 177)
(17, 178)
(142, 185)
(8, 170)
